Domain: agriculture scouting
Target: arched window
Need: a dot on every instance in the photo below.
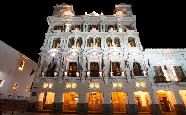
(90, 42)
(56, 43)
(131, 42)
(58, 28)
(71, 42)
(98, 42)
(109, 42)
(79, 42)
(117, 41)
(137, 69)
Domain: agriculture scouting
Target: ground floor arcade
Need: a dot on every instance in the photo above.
(155, 102)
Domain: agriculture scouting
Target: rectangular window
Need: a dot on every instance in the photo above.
(14, 86)
(117, 85)
(94, 85)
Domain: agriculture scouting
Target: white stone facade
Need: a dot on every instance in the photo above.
(101, 55)
(10, 74)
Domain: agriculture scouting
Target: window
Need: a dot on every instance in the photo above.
(98, 42)
(27, 88)
(72, 69)
(56, 43)
(21, 65)
(90, 42)
(117, 85)
(47, 85)
(109, 42)
(131, 42)
(117, 42)
(71, 42)
(14, 86)
(140, 84)
(94, 69)
(94, 85)
(1, 83)
(178, 72)
(79, 42)
(116, 69)
(137, 69)
(71, 85)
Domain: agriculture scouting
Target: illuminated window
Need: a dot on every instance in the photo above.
(47, 85)
(71, 85)
(94, 85)
(117, 85)
(1, 83)
(21, 65)
(14, 86)
(27, 89)
(50, 85)
(140, 84)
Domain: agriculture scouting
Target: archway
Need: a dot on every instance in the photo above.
(70, 101)
(119, 102)
(183, 96)
(46, 101)
(143, 101)
(165, 100)
(94, 102)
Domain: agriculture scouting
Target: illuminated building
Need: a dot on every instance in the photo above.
(95, 63)
(16, 74)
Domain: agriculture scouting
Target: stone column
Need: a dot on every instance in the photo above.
(132, 108)
(155, 108)
(107, 104)
(58, 104)
(179, 105)
(82, 106)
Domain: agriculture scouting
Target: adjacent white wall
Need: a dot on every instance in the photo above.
(9, 62)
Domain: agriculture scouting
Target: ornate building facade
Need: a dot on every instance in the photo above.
(95, 63)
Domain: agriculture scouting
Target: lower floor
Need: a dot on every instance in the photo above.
(132, 103)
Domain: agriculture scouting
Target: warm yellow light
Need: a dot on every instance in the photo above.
(143, 97)
(183, 96)
(41, 95)
(68, 85)
(142, 84)
(91, 85)
(50, 85)
(117, 85)
(74, 85)
(27, 89)
(45, 85)
(14, 86)
(21, 66)
(96, 85)
(49, 98)
(137, 84)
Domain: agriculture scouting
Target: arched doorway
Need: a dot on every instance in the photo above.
(118, 102)
(70, 101)
(143, 101)
(183, 96)
(46, 100)
(165, 100)
(94, 102)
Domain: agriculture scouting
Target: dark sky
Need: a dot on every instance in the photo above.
(23, 23)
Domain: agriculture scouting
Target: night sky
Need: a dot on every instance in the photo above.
(23, 23)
